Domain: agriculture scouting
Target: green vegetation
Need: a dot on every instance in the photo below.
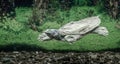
(17, 33)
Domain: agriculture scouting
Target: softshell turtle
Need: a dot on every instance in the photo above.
(75, 30)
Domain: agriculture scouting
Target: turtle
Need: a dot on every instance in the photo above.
(75, 30)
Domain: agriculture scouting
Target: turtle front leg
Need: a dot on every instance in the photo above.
(72, 38)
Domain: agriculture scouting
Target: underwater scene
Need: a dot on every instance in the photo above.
(59, 31)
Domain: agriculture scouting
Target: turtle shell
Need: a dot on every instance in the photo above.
(80, 27)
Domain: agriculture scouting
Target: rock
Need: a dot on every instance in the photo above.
(31, 57)
(6, 59)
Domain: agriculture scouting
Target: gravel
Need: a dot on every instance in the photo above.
(39, 57)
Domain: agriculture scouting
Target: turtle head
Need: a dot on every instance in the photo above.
(51, 32)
